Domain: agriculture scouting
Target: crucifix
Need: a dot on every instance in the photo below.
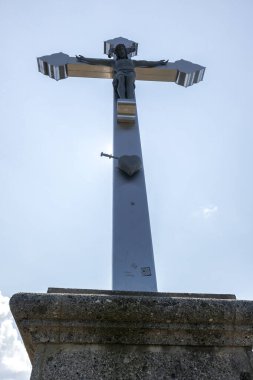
(133, 266)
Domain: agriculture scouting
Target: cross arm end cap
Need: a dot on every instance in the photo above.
(189, 73)
(54, 65)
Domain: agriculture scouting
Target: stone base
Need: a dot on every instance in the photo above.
(126, 335)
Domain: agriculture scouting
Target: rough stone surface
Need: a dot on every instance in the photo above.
(135, 336)
(141, 362)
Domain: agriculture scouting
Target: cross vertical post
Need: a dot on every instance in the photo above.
(133, 260)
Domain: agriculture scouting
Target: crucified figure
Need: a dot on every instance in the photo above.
(123, 70)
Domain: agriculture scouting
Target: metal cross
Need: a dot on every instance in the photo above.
(133, 259)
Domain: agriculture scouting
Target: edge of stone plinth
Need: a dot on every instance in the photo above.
(131, 319)
(139, 293)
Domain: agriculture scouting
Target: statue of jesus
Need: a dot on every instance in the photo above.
(123, 70)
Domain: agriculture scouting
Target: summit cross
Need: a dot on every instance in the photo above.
(133, 266)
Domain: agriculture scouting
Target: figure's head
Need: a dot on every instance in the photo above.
(120, 51)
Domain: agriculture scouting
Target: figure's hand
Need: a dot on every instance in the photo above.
(163, 62)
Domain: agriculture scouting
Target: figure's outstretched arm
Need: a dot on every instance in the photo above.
(94, 61)
(149, 63)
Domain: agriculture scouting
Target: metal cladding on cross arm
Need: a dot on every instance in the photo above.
(189, 73)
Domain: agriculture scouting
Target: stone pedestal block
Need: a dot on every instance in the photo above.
(80, 334)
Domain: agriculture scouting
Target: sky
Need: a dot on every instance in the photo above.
(56, 190)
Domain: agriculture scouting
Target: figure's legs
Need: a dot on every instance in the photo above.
(121, 86)
(130, 78)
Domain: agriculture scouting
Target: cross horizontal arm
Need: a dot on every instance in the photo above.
(161, 73)
(60, 66)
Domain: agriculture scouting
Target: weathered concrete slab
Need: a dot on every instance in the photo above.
(129, 335)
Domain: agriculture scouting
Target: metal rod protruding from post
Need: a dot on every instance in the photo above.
(108, 155)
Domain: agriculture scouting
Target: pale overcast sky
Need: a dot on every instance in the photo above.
(56, 191)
